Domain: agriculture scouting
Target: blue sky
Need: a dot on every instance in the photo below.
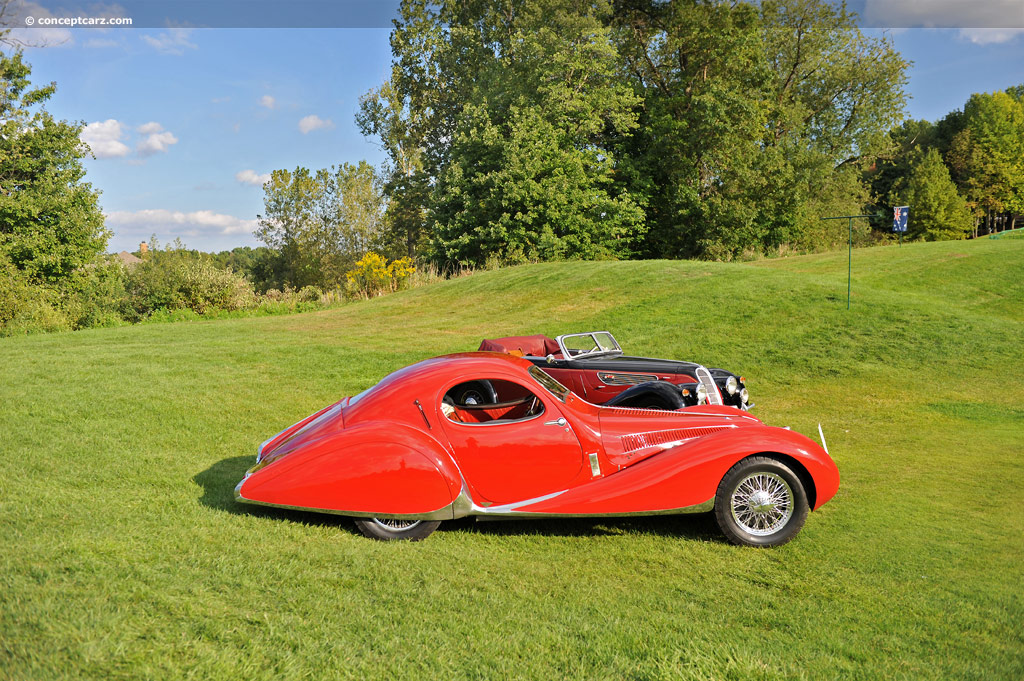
(185, 122)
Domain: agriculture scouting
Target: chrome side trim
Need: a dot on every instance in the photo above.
(822, 435)
(619, 378)
(702, 507)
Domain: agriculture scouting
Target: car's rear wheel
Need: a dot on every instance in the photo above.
(389, 529)
(760, 502)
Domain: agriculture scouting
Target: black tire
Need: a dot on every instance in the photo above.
(473, 392)
(389, 529)
(760, 502)
(650, 395)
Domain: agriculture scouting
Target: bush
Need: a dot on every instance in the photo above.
(26, 307)
(173, 280)
(373, 276)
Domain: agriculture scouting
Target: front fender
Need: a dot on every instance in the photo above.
(688, 474)
(368, 469)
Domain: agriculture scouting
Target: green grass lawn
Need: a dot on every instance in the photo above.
(123, 555)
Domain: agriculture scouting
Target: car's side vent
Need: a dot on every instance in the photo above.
(704, 376)
(624, 379)
(637, 441)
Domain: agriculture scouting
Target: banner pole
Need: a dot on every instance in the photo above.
(849, 266)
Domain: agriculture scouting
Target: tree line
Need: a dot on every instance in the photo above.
(683, 129)
(525, 131)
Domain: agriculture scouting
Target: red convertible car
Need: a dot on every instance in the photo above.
(410, 452)
(592, 365)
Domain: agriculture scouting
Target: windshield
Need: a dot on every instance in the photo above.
(593, 343)
(552, 386)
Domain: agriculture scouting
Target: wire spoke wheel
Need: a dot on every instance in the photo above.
(396, 524)
(762, 503)
(390, 529)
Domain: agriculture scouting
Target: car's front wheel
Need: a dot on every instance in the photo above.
(760, 502)
(390, 529)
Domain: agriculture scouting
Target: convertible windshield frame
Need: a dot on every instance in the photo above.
(551, 385)
(602, 342)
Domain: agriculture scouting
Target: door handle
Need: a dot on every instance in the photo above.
(556, 422)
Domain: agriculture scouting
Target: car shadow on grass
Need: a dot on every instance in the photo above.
(699, 527)
(219, 480)
(218, 485)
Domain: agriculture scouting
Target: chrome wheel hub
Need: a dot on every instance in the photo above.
(762, 503)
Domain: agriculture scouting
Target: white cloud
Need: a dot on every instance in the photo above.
(196, 223)
(268, 102)
(314, 122)
(104, 138)
(989, 36)
(150, 128)
(171, 41)
(157, 139)
(252, 177)
(943, 13)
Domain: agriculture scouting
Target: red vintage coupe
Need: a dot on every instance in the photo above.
(411, 451)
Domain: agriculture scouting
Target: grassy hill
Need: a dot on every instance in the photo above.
(123, 556)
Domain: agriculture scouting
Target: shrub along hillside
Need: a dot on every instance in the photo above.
(123, 555)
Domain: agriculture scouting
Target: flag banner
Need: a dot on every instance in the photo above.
(900, 214)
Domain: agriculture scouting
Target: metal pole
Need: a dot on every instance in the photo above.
(849, 259)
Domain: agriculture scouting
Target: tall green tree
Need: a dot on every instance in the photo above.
(526, 176)
(321, 222)
(50, 221)
(937, 210)
(989, 154)
(700, 68)
(834, 96)
(493, 120)
(756, 121)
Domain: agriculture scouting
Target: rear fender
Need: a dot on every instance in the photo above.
(364, 470)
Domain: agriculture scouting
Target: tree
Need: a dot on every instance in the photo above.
(755, 121)
(989, 153)
(526, 177)
(493, 121)
(50, 222)
(701, 71)
(321, 222)
(937, 211)
(835, 94)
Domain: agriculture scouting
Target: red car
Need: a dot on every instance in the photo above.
(411, 451)
(594, 367)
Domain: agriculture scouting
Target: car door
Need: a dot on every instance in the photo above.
(514, 459)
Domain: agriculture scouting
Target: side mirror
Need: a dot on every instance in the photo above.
(550, 359)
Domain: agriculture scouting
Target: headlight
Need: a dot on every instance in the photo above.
(731, 385)
(745, 396)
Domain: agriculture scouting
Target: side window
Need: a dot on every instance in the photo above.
(485, 401)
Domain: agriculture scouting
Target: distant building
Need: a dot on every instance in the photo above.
(127, 259)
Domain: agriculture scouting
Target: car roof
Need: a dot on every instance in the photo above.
(466, 365)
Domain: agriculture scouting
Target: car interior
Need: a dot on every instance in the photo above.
(489, 401)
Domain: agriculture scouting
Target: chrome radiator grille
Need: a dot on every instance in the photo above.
(704, 376)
